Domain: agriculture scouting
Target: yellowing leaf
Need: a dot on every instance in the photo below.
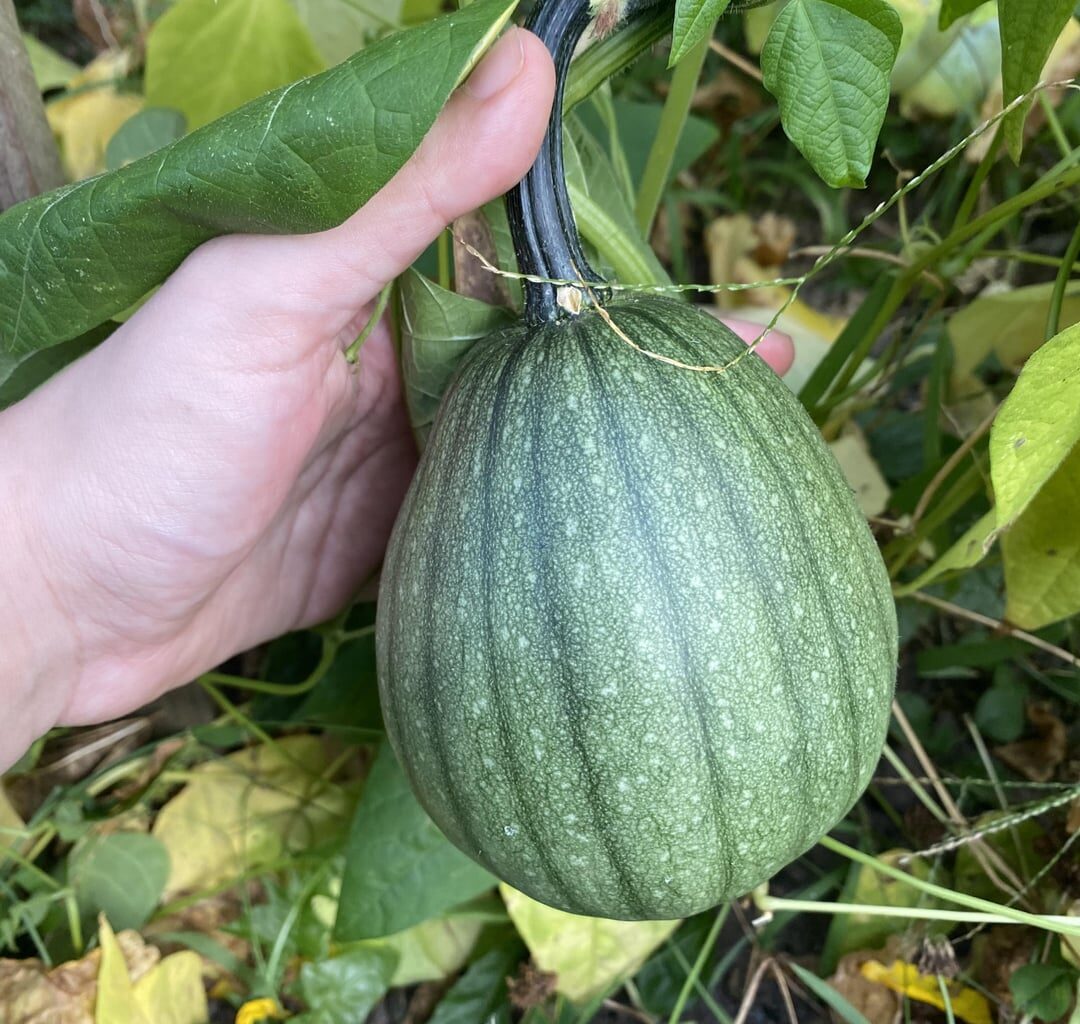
(85, 120)
(1038, 425)
(207, 57)
(433, 950)
(116, 995)
(939, 73)
(967, 1004)
(1042, 550)
(247, 809)
(173, 992)
(1011, 324)
(588, 955)
(170, 992)
(861, 472)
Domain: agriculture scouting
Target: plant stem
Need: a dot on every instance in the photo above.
(609, 56)
(672, 121)
(352, 353)
(1057, 298)
(971, 196)
(985, 910)
(699, 963)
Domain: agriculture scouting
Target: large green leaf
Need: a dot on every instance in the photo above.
(1029, 29)
(828, 64)
(300, 159)
(207, 57)
(437, 328)
(1038, 425)
(400, 869)
(693, 21)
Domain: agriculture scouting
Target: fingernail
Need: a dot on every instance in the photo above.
(499, 68)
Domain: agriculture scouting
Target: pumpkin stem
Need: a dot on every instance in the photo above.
(541, 220)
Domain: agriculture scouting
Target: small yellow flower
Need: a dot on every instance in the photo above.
(255, 1010)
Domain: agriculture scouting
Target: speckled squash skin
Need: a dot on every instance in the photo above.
(636, 644)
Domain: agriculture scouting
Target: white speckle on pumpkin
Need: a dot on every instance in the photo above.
(510, 830)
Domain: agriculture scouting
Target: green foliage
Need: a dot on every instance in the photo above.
(400, 870)
(1038, 425)
(121, 875)
(304, 157)
(1043, 990)
(694, 20)
(1029, 29)
(874, 374)
(999, 711)
(952, 10)
(345, 988)
(828, 64)
(1042, 552)
(437, 328)
(207, 57)
(480, 993)
(144, 133)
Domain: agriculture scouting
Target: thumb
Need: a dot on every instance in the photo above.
(482, 144)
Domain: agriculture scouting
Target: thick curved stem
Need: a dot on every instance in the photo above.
(541, 220)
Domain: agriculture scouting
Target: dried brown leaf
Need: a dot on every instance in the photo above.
(1037, 759)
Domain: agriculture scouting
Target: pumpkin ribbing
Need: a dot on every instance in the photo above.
(636, 644)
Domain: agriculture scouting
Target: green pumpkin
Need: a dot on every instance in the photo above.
(636, 645)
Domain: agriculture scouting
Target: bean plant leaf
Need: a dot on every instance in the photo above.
(828, 64)
(588, 955)
(1029, 29)
(207, 57)
(694, 19)
(1038, 425)
(437, 328)
(144, 133)
(121, 875)
(300, 159)
(480, 993)
(1043, 990)
(345, 988)
(953, 10)
(400, 869)
(1042, 552)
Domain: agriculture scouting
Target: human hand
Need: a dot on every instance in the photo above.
(216, 473)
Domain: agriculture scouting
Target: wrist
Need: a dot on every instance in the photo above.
(39, 660)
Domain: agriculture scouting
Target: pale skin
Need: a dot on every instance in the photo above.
(216, 473)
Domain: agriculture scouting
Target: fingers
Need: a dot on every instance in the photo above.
(776, 348)
(482, 144)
